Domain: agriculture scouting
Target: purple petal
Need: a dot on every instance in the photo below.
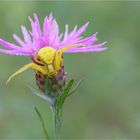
(66, 33)
(82, 29)
(37, 25)
(54, 33)
(34, 31)
(26, 35)
(93, 48)
(51, 32)
(8, 44)
(19, 40)
(87, 50)
(74, 36)
(37, 38)
(46, 28)
(25, 53)
(5, 51)
(74, 30)
(89, 40)
(16, 52)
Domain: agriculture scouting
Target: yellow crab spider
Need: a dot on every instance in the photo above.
(50, 61)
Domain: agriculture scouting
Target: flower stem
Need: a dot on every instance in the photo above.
(56, 105)
(57, 121)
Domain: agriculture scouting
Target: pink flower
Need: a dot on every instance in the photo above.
(36, 39)
(47, 47)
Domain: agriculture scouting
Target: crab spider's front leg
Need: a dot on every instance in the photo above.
(31, 65)
(58, 61)
(58, 56)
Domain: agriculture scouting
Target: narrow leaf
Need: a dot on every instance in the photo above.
(42, 123)
(76, 86)
(41, 95)
(63, 95)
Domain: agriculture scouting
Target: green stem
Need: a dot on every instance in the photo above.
(56, 105)
(57, 121)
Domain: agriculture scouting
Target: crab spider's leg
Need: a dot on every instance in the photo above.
(58, 55)
(31, 65)
(58, 60)
(70, 46)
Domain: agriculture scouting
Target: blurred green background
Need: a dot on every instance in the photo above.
(107, 104)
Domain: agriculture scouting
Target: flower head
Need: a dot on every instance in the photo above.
(46, 47)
